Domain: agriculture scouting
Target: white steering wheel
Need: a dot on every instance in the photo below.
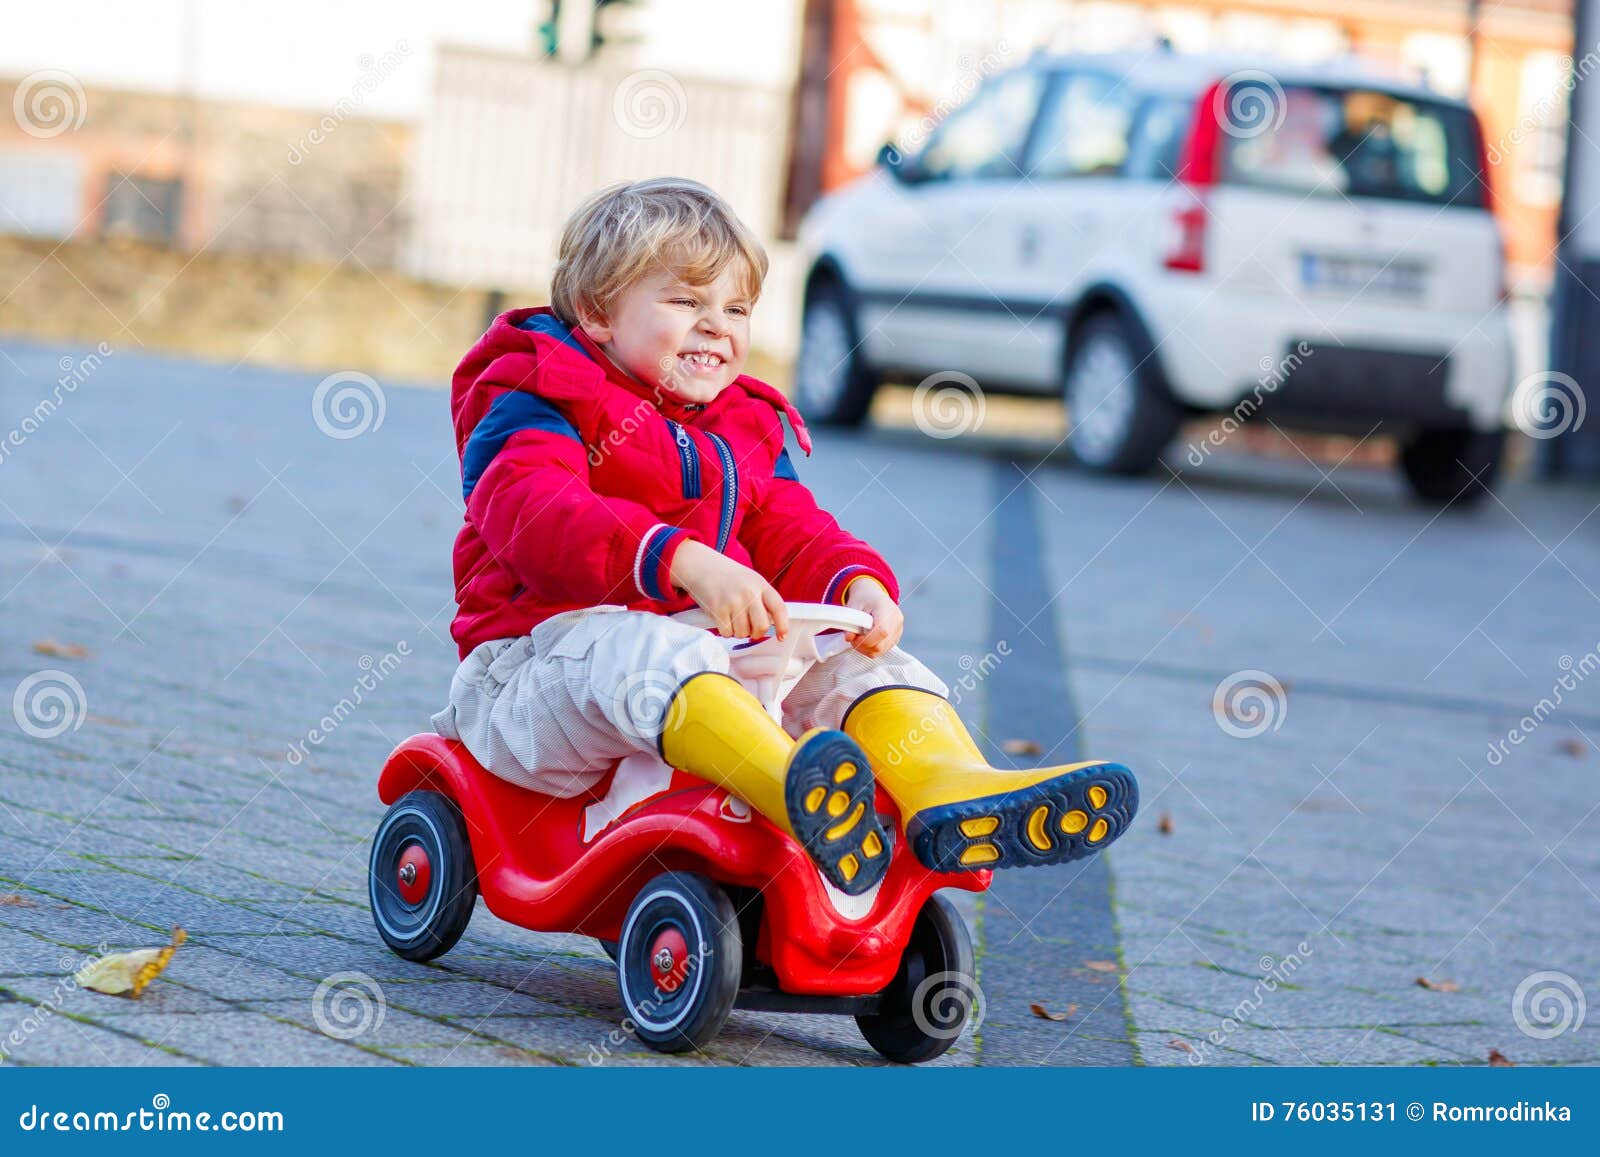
(770, 668)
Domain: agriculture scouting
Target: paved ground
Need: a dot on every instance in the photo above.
(234, 573)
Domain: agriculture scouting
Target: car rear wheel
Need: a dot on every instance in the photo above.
(832, 384)
(1452, 467)
(1119, 416)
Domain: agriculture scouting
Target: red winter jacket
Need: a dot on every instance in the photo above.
(580, 488)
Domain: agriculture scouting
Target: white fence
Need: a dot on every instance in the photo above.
(509, 145)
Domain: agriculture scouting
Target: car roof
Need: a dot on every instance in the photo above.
(1162, 70)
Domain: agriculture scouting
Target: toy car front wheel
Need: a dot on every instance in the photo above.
(927, 1004)
(678, 961)
(421, 880)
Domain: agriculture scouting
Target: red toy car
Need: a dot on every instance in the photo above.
(704, 905)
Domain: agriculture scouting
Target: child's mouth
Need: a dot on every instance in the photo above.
(700, 364)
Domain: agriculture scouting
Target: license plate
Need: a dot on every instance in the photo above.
(1362, 275)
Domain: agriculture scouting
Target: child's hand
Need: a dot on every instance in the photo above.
(868, 594)
(742, 603)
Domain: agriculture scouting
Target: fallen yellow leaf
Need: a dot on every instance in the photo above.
(1044, 1013)
(61, 650)
(127, 973)
(1101, 965)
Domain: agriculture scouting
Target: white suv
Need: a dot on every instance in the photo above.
(1157, 236)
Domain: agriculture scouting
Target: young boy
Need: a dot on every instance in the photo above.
(619, 468)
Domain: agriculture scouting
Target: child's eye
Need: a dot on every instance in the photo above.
(739, 309)
(683, 301)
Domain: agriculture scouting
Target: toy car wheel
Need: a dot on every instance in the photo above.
(927, 1004)
(421, 880)
(678, 961)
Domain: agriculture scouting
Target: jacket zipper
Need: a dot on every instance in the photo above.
(730, 489)
(688, 460)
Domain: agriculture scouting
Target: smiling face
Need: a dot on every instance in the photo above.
(688, 341)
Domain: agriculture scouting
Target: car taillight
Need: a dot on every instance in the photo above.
(1198, 163)
(1485, 179)
(1186, 252)
(1483, 164)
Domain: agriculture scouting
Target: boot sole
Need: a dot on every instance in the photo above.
(830, 794)
(1062, 819)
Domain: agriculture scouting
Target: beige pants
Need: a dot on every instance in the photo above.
(554, 709)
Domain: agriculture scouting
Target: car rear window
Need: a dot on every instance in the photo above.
(1353, 142)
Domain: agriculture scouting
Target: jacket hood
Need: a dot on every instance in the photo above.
(524, 342)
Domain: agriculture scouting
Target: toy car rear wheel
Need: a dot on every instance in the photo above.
(420, 880)
(928, 1003)
(678, 961)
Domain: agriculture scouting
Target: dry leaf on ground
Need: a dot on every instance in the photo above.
(1438, 985)
(1164, 824)
(1101, 965)
(13, 900)
(127, 973)
(1180, 1044)
(1499, 1060)
(1021, 747)
(1044, 1013)
(1576, 748)
(61, 650)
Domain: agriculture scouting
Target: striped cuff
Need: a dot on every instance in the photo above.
(650, 562)
(839, 582)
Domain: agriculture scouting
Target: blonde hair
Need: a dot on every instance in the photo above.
(627, 231)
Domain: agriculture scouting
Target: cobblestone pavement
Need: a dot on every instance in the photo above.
(235, 572)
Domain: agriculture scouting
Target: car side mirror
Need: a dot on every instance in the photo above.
(897, 163)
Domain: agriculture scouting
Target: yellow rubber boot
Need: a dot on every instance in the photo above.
(819, 788)
(961, 813)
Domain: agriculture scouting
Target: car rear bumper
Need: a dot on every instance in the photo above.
(1334, 368)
